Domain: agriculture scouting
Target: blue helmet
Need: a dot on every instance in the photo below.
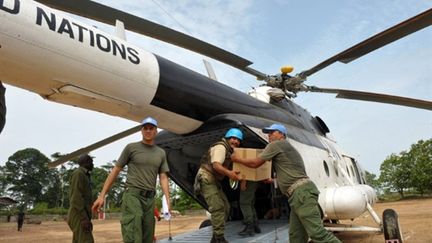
(234, 132)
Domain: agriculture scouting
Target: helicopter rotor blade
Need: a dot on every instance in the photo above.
(374, 97)
(379, 40)
(94, 146)
(108, 15)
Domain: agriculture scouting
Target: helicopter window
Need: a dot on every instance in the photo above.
(326, 168)
(352, 171)
(335, 168)
(356, 172)
(321, 125)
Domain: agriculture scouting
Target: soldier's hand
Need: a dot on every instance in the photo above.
(86, 225)
(97, 204)
(234, 175)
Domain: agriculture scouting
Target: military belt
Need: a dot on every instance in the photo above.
(297, 184)
(142, 192)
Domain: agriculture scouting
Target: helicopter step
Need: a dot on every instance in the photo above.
(273, 230)
(392, 230)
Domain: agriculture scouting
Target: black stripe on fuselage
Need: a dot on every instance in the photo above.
(193, 95)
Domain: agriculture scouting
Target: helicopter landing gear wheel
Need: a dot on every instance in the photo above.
(392, 230)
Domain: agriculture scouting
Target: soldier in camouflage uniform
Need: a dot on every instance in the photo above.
(145, 162)
(305, 216)
(215, 165)
(80, 198)
(247, 206)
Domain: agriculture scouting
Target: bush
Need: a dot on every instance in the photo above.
(42, 208)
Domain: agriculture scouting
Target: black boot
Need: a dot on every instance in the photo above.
(218, 239)
(243, 230)
(257, 228)
(248, 230)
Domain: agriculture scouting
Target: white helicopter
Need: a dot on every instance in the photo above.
(201, 108)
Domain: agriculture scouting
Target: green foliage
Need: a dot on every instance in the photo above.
(420, 155)
(396, 173)
(180, 200)
(409, 170)
(115, 194)
(65, 173)
(39, 208)
(98, 176)
(43, 208)
(184, 201)
(27, 178)
(373, 181)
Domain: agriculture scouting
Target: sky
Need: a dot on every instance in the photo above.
(271, 34)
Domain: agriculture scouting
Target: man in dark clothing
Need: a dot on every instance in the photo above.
(247, 206)
(80, 197)
(20, 220)
(2, 106)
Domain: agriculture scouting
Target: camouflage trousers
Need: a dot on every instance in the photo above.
(138, 222)
(247, 202)
(305, 217)
(216, 200)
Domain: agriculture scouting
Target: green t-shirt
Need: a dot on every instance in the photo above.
(287, 163)
(144, 163)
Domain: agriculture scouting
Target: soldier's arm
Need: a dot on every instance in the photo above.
(107, 185)
(163, 178)
(251, 162)
(217, 157)
(233, 175)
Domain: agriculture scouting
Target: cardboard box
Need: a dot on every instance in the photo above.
(252, 174)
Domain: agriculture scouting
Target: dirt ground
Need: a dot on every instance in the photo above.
(415, 219)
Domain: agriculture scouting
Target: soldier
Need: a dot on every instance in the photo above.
(215, 165)
(305, 217)
(80, 198)
(145, 161)
(247, 206)
(20, 220)
(2, 106)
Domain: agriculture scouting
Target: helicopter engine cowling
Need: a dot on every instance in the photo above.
(346, 202)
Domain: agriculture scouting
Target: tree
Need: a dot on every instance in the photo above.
(27, 177)
(373, 181)
(115, 194)
(396, 173)
(64, 174)
(420, 155)
(2, 181)
(185, 201)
